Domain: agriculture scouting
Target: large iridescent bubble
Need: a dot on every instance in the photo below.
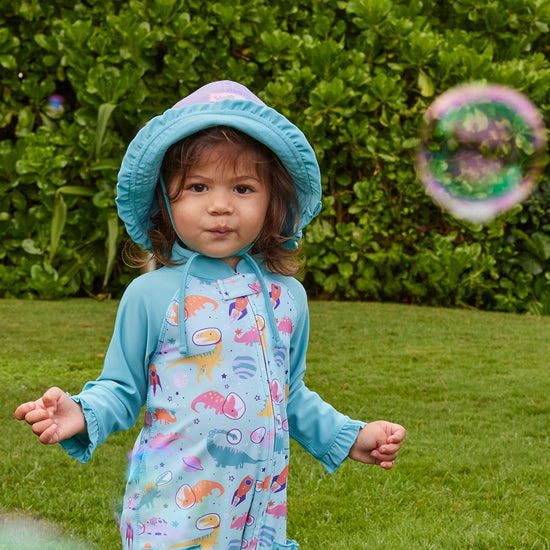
(483, 148)
(18, 532)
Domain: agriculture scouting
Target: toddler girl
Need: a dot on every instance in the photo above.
(214, 343)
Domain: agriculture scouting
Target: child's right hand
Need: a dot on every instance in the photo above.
(54, 417)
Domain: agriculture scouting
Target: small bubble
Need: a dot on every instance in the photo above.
(56, 105)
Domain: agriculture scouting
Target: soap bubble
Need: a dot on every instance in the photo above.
(483, 147)
(21, 532)
(56, 105)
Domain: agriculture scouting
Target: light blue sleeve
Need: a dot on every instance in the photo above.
(315, 424)
(113, 402)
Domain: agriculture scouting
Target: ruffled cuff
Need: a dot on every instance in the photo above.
(341, 445)
(82, 446)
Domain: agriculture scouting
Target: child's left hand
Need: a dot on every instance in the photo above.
(378, 443)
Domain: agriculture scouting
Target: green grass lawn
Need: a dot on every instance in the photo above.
(472, 389)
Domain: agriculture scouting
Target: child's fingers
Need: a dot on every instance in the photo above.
(398, 434)
(51, 398)
(389, 448)
(23, 409)
(37, 415)
(384, 457)
(41, 426)
(387, 452)
(384, 461)
(49, 436)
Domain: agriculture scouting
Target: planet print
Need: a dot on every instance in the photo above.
(244, 367)
(280, 355)
(180, 380)
(192, 464)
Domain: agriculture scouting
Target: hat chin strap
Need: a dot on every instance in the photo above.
(183, 346)
(242, 252)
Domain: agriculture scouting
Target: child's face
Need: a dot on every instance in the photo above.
(222, 206)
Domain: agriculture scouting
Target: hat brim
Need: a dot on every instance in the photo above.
(140, 169)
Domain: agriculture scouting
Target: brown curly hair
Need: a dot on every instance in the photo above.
(283, 213)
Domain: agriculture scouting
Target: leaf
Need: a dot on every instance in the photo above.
(103, 116)
(530, 263)
(76, 190)
(103, 199)
(29, 246)
(541, 242)
(112, 239)
(58, 223)
(106, 164)
(8, 62)
(345, 270)
(425, 84)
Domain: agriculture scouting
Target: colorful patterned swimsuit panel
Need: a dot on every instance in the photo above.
(210, 466)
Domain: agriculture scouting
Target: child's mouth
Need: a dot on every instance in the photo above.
(220, 232)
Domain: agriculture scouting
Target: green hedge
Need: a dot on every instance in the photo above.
(355, 76)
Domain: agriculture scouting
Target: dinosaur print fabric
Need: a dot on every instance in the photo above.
(210, 466)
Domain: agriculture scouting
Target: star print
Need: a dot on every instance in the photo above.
(196, 421)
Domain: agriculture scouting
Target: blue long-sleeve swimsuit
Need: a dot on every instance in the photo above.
(210, 466)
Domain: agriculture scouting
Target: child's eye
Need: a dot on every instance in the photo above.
(198, 187)
(243, 189)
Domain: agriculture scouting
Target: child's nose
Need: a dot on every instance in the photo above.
(221, 202)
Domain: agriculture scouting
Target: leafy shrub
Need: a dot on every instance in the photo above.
(355, 76)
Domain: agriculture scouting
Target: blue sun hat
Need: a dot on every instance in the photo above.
(222, 103)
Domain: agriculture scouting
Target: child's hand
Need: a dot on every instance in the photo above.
(378, 443)
(54, 417)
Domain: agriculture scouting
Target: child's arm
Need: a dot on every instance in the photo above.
(82, 422)
(54, 417)
(378, 443)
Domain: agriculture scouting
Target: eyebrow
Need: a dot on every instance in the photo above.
(242, 177)
(247, 177)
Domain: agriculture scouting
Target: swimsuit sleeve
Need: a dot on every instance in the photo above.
(317, 426)
(112, 402)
